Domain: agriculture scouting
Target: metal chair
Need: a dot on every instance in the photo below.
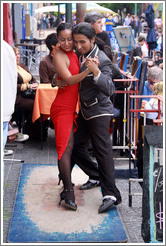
(26, 57)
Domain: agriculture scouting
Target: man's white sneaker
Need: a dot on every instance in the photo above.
(21, 137)
(8, 152)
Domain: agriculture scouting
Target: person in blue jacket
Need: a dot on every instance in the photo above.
(110, 23)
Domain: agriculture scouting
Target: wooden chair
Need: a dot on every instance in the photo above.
(123, 61)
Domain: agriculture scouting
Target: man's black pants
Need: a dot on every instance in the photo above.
(96, 130)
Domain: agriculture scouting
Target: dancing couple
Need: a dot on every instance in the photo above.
(91, 77)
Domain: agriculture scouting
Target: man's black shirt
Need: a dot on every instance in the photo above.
(105, 37)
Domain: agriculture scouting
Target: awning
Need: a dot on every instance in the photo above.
(96, 7)
(89, 7)
(51, 8)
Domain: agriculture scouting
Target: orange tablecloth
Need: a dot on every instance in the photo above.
(44, 98)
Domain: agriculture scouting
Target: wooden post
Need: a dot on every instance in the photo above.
(27, 26)
(81, 12)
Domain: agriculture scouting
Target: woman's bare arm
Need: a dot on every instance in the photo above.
(61, 63)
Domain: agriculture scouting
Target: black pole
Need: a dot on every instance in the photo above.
(130, 196)
(59, 14)
(13, 22)
(69, 12)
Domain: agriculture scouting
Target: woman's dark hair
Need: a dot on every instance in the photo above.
(64, 26)
(87, 29)
(51, 40)
(105, 48)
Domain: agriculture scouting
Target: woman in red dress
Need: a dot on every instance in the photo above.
(63, 109)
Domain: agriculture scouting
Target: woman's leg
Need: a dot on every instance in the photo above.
(64, 164)
(25, 105)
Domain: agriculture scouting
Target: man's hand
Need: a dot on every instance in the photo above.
(60, 83)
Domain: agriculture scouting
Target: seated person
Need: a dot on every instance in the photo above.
(137, 50)
(25, 80)
(20, 137)
(150, 63)
(153, 102)
(155, 75)
(46, 67)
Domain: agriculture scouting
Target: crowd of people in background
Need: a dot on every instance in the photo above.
(49, 21)
(137, 23)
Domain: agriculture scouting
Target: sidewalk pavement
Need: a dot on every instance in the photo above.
(30, 151)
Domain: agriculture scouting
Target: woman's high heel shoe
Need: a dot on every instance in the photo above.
(62, 197)
(59, 179)
(68, 202)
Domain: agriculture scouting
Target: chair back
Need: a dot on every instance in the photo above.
(136, 67)
(116, 57)
(123, 61)
(142, 79)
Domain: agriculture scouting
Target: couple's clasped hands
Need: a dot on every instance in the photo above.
(91, 64)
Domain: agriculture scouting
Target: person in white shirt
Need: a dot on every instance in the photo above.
(144, 49)
(9, 78)
(116, 19)
(153, 102)
(127, 20)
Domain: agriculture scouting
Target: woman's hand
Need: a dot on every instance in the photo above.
(96, 60)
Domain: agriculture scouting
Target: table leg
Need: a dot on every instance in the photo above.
(41, 131)
(36, 61)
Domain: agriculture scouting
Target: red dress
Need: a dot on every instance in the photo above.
(63, 108)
